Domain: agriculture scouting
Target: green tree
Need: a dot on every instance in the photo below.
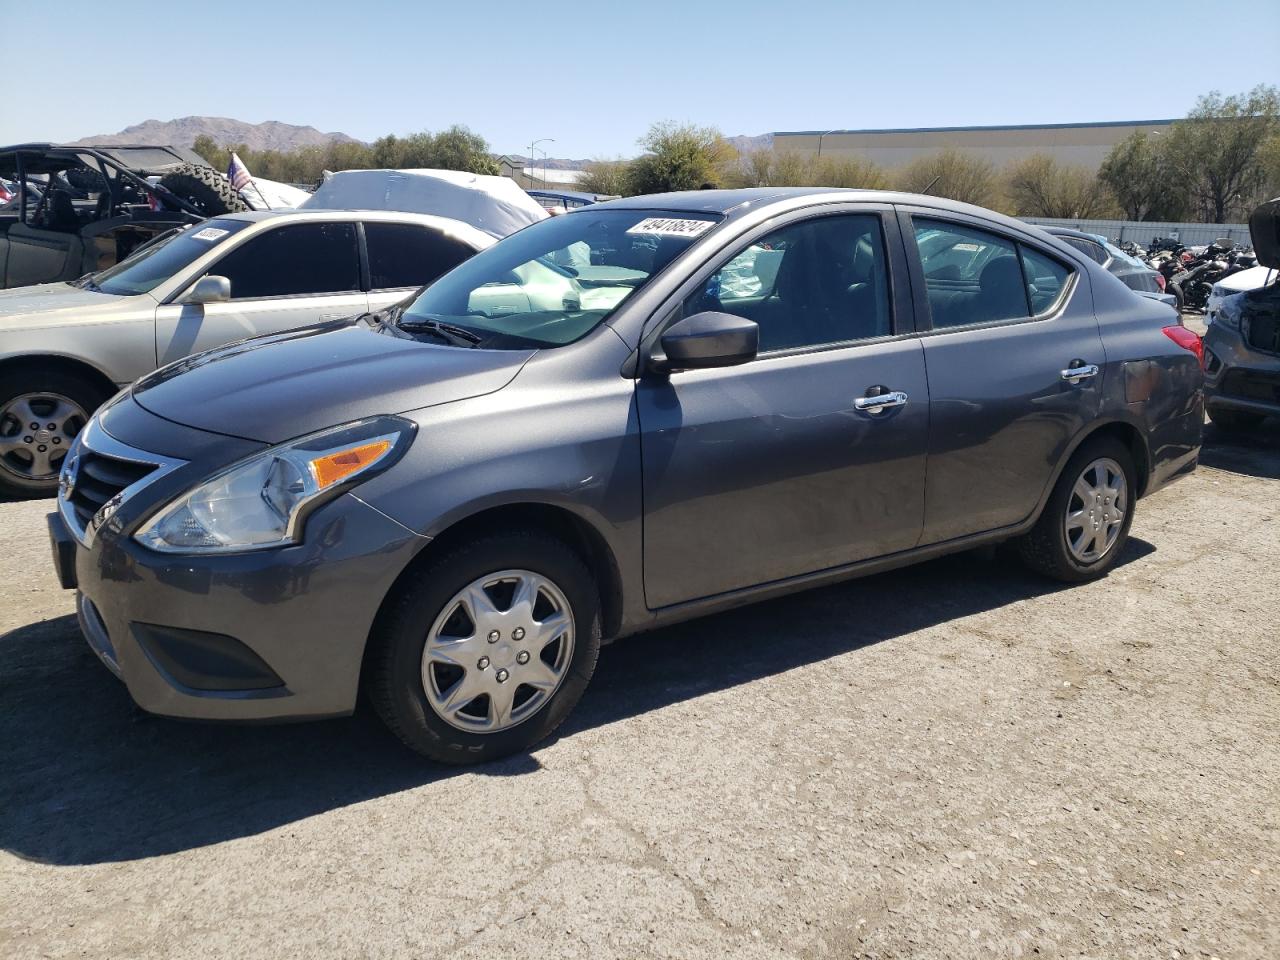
(1141, 179)
(1039, 186)
(952, 173)
(679, 157)
(1215, 150)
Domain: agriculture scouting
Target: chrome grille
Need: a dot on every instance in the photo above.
(97, 478)
(99, 474)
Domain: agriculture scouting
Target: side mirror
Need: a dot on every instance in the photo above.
(210, 289)
(706, 340)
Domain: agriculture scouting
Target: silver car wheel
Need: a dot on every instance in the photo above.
(1096, 510)
(36, 429)
(498, 651)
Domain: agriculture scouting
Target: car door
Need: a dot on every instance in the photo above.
(1014, 360)
(284, 277)
(810, 456)
(403, 257)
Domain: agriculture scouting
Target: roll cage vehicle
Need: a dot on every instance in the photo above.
(81, 209)
(623, 417)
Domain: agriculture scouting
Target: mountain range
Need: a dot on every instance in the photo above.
(274, 135)
(271, 135)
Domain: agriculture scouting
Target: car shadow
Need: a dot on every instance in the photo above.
(89, 778)
(1255, 453)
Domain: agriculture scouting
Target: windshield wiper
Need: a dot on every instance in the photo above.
(85, 283)
(454, 335)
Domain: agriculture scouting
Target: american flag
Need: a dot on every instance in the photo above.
(238, 174)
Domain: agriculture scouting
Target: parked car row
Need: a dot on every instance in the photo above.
(625, 416)
(68, 346)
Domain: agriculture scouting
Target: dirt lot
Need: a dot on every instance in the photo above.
(953, 761)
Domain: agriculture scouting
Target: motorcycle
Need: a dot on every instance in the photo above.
(1195, 280)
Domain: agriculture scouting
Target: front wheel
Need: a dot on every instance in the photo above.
(484, 651)
(41, 411)
(1085, 524)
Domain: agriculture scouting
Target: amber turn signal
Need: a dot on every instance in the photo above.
(336, 466)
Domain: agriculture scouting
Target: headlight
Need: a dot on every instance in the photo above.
(262, 501)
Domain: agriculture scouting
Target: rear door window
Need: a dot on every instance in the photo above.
(971, 276)
(974, 276)
(299, 259)
(408, 255)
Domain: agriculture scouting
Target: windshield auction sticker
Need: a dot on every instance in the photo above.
(210, 234)
(669, 227)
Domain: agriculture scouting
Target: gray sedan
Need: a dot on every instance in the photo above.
(627, 416)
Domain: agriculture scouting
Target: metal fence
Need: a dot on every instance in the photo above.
(1143, 232)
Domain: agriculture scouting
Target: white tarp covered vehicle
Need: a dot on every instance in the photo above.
(263, 194)
(495, 205)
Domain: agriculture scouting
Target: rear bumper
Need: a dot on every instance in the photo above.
(270, 635)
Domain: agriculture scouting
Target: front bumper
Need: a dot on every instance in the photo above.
(1238, 377)
(269, 635)
(263, 635)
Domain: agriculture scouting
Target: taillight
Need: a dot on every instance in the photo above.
(1160, 281)
(1187, 340)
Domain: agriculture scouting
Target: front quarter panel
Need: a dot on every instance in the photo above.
(562, 434)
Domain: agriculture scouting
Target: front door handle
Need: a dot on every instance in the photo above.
(1082, 372)
(883, 401)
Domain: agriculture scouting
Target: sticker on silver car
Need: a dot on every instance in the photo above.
(671, 227)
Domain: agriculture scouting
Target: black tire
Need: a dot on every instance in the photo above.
(1044, 547)
(36, 380)
(1177, 294)
(1236, 421)
(393, 667)
(204, 187)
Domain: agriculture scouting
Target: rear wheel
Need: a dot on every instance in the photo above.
(1236, 421)
(484, 651)
(41, 411)
(1084, 526)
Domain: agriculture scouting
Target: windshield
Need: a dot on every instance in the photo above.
(557, 280)
(152, 265)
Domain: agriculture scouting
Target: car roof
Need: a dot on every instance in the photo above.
(1070, 232)
(477, 238)
(563, 194)
(736, 203)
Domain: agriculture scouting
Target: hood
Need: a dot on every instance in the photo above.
(1251, 279)
(276, 388)
(1264, 231)
(55, 303)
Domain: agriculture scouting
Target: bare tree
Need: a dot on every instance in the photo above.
(952, 173)
(605, 177)
(1041, 187)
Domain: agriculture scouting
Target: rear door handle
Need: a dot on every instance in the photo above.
(894, 398)
(1082, 372)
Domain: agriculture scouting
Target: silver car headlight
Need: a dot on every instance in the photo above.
(263, 500)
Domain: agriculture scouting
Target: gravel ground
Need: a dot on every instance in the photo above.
(953, 761)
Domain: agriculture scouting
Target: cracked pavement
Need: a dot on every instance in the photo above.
(955, 760)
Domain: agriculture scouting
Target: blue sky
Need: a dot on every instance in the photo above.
(595, 75)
